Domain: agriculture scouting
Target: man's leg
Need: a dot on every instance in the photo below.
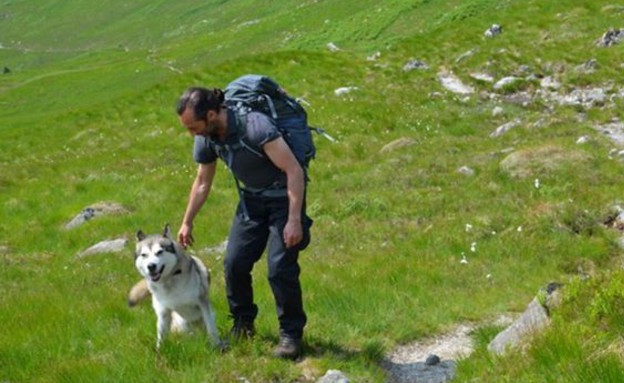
(246, 244)
(283, 277)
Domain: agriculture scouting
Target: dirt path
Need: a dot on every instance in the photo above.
(433, 360)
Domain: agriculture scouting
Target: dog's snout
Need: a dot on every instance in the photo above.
(151, 267)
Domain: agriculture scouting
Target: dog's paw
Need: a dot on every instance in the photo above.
(138, 293)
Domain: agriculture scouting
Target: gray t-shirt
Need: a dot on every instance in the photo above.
(247, 161)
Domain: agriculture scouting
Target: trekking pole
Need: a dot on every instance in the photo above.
(323, 133)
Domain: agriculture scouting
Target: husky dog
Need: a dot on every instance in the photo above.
(179, 285)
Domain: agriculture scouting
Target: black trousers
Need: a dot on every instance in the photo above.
(249, 237)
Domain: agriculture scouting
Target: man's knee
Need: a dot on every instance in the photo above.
(237, 264)
(283, 272)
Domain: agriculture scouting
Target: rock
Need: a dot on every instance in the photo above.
(421, 373)
(587, 67)
(109, 246)
(520, 98)
(345, 90)
(534, 319)
(541, 160)
(587, 98)
(414, 64)
(583, 140)
(506, 81)
(450, 82)
(522, 70)
(610, 37)
(614, 131)
(482, 77)
(550, 83)
(85, 215)
(333, 376)
(497, 111)
(505, 128)
(465, 170)
(396, 144)
(465, 55)
(374, 56)
(332, 47)
(98, 209)
(432, 360)
(493, 31)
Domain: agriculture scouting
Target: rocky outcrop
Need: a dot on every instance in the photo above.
(534, 319)
(107, 246)
(95, 210)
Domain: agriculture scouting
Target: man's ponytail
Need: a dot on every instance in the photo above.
(200, 100)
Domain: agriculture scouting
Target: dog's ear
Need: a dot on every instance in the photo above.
(140, 235)
(167, 232)
(170, 247)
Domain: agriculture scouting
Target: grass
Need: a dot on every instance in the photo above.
(87, 115)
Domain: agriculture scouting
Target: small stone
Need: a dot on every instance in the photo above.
(432, 360)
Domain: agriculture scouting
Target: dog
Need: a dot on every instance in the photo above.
(179, 285)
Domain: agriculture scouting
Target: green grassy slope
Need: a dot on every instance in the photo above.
(86, 115)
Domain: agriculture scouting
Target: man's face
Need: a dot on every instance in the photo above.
(202, 127)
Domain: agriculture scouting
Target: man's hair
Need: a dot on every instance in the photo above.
(200, 100)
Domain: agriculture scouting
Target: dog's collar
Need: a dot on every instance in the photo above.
(179, 271)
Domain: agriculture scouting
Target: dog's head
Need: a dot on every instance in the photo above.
(156, 256)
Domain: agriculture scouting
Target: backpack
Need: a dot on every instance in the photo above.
(262, 94)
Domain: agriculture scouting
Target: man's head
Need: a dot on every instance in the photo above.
(198, 109)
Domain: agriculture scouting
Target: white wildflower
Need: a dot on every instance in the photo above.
(463, 260)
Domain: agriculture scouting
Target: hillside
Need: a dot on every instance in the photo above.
(451, 197)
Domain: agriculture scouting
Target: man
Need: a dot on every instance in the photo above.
(271, 210)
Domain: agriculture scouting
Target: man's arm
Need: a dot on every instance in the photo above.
(280, 154)
(199, 193)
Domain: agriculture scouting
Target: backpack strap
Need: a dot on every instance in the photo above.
(226, 153)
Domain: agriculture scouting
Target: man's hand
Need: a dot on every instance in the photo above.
(185, 235)
(293, 234)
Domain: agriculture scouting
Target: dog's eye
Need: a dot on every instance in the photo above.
(143, 255)
(159, 252)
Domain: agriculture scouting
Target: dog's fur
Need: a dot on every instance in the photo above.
(179, 285)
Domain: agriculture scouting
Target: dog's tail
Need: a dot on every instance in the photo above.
(138, 293)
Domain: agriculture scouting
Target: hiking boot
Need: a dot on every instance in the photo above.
(288, 348)
(243, 329)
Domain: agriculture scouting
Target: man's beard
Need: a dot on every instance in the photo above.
(211, 129)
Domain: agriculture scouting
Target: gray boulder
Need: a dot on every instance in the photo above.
(610, 37)
(108, 246)
(493, 31)
(534, 319)
(333, 376)
(95, 210)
